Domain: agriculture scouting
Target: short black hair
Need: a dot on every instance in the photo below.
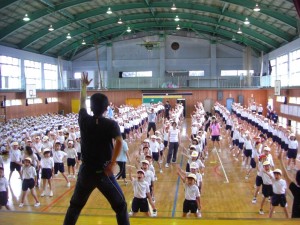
(99, 103)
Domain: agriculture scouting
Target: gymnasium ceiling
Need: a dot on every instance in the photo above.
(276, 24)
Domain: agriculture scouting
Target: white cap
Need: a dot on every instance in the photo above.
(266, 163)
(194, 154)
(145, 161)
(278, 171)
(191, 175)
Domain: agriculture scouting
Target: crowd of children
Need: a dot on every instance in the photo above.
(35, 149)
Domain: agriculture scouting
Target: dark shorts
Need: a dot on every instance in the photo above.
(292, 153)
(71, 162)
(79, 156)
(59, 167)
(190, 206)
(278, 199)
(27, 183)
(228, 127)
(15, 166)
(155, 156)
(46, 173)
(252, 163)
(258, 181)
(248, 152)
(235, 142)
(267, 190)
(161, 152)
(241, 145)
(3, 198)
(127, 130)
(215, 138)
(140, 204)
(166, 143)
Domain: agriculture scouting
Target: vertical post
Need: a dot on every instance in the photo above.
(98, 66)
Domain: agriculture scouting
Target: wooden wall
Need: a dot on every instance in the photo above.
(119, 97)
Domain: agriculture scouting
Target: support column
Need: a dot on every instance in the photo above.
(213, 60)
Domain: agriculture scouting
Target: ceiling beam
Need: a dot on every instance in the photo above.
(170, 25)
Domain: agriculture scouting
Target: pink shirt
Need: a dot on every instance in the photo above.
(215, 129)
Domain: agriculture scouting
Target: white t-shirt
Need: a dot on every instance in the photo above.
(191, 192)
(47, 163)
(3, 184)
(28, 172)
(173, 135)
(149, 176)
(140, 188)
(279, 186)
(58, 156)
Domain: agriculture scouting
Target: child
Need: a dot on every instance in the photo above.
(47, 165)
(71, 158)
(267, 189)
(58, 157)
(292, 151)
(141, 193)
(279, 191)
(149, 177)
(161, 150)
(154, 149)
(29, 181)
(3, 190)
(15, 160)
(192, 195)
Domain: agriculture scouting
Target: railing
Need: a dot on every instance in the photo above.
(169, 82)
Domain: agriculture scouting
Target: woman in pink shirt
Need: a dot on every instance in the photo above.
(215, 130)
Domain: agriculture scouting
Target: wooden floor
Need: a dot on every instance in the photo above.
(226, 196)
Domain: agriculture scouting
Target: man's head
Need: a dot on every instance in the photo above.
(99, 103)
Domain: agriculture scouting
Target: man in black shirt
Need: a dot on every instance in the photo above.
(167, 110)
(98, 158)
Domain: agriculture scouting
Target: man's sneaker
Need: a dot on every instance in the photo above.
(261, 212)
(154, 213)
(254, 200)
(43, 194)
(160, 171)
(199, 215)
(130, 213)
(37, 204)
(167, 165)
(68, 184)
(21, 205)
(51, 194)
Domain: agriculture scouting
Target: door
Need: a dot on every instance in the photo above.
(229, 102)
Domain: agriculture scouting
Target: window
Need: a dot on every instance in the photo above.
(49, 100)
(282, 69)
(10, 72)
(50, 76)
(77, 75)
(31, 101)
(280, 98)
(196, 73)
(236, 72)
(137, 74)
(295, 68)
(33, 73)
(294, 100)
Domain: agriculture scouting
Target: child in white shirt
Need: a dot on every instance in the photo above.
(29, 181)
(47, 165)
(3, 190)
(141, 193)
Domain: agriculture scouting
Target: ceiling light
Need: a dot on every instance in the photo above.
(109, 11)
(26, 18)
(83, 42)
(233, 38)
(176, 18)
(68, 36)
(128, 29)
(246, 22)
(51, 28)
(239, 31)
(173, 7)
(178, 27)
(120, 21)
(256, 8)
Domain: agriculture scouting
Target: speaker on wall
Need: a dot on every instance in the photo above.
(26, 102)
(220, 95)
(46, 100)
(120, 74)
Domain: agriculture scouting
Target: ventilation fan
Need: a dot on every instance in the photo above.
(150, 45)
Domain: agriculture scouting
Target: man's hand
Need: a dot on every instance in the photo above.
(84, 79)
